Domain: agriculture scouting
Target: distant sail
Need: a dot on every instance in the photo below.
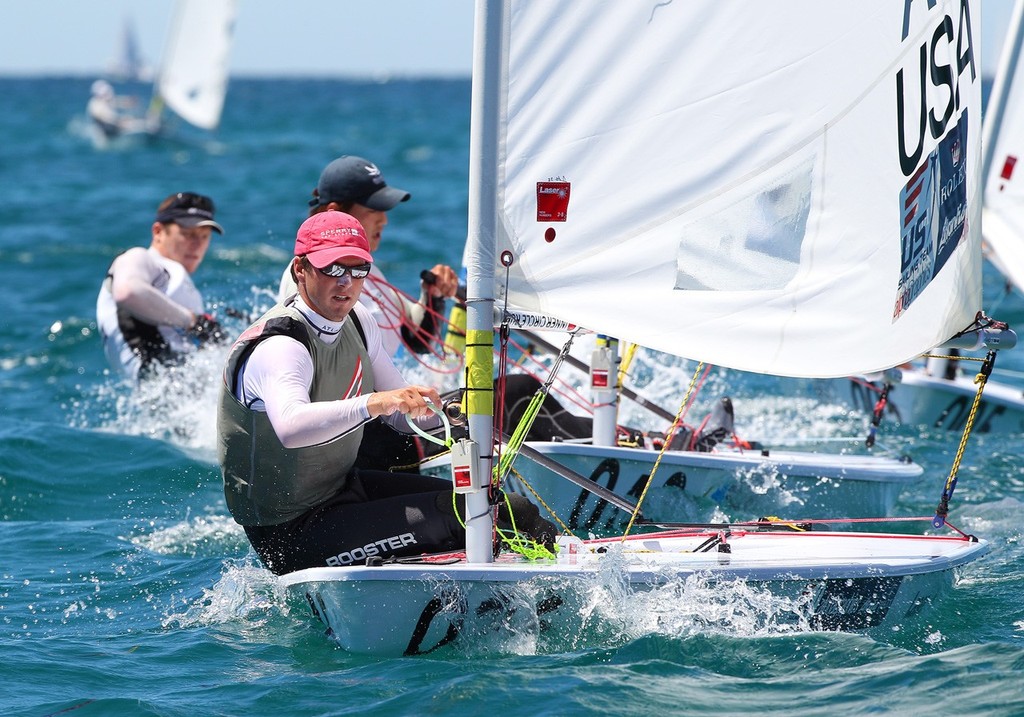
(1004, 158)
(130, 65)
(194, 76)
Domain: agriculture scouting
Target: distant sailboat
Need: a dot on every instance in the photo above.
(192, 81)
(130, 65)
(194, 76)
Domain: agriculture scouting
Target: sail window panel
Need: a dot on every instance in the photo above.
(754, 243)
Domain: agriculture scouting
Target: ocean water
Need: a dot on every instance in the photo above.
(125, 588)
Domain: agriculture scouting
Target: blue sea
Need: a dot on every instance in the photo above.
(126, 589)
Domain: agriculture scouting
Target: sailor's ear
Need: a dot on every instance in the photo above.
(158, 231)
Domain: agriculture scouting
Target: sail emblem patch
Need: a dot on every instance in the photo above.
(933, 208)
(552, 201)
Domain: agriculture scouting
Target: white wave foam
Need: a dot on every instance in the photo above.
(177, 404)
(244, 593)
(206, 535)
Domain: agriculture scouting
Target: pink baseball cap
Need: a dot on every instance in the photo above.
(328, 236)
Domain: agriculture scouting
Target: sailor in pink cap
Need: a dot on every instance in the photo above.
(299, 386)
(356, 186)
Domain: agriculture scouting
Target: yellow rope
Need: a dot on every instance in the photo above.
(981, 379)
(953, 358)
(565, 528)
(415, 466)
(527, 547)
(668, 441)
(514, 541)
(518, 436)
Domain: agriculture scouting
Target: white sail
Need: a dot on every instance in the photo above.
(1004, 159)
(803, 199)
(194, 76)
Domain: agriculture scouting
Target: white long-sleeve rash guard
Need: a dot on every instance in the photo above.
(279, 373)
(137, 274)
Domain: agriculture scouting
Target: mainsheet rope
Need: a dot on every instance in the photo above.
(668, 441)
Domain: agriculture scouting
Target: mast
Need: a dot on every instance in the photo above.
(479, 259)
(155, 111)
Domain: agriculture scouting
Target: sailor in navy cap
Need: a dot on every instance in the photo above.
(148, 310)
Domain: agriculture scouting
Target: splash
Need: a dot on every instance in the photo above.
(202, 536)
(245, 593)
(548, 616)
(177, 404)
(681, 607)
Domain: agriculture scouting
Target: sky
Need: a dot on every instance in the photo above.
(290, 37)
(272, 37)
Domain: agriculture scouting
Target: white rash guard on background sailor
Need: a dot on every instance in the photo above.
(163, 295)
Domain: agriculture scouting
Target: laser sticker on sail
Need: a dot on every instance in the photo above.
(552, 201)
(1008, 166)
(933, 207)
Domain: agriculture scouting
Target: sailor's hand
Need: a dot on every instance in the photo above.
(207, 329)
(443, 282)
(409, 401)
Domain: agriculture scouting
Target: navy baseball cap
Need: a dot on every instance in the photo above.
(187, 209)
(354, 179)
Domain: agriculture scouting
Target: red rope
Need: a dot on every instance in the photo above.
(865, 384)
(394, 311)
(565, 389)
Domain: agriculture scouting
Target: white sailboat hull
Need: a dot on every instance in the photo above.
(745, 483)
(920, 399)
(666, 583)
(933, 401)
